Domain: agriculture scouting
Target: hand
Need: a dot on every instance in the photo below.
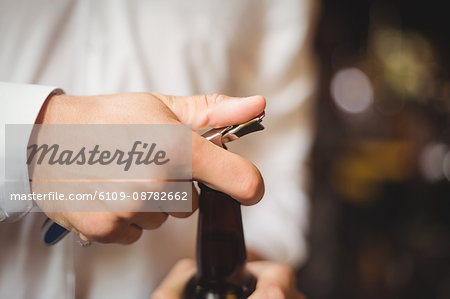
(275, 281)
(237, 177)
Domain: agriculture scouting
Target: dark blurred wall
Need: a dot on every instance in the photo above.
(381, 162)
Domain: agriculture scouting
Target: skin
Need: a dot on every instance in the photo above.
(275, 281)
(237, 177)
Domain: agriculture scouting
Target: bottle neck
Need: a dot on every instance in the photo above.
(221, 252)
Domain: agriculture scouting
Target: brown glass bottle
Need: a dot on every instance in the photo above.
(221, 253)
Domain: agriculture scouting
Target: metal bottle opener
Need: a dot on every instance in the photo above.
(220, 136)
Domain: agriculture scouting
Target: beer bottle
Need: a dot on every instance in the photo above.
(221, 253)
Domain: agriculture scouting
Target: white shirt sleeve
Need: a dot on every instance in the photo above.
(19, 104)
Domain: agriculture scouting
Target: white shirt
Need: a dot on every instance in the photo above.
(177, 47)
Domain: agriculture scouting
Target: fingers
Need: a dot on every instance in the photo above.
(269, 292)
(103, 227)
(275, 281)
(146, 220)
(215, 110)
(173, 284)
(212, 165)
(194, 206)
(225, 171)
(122, 227)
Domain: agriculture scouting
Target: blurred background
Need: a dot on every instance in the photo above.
(381, 161)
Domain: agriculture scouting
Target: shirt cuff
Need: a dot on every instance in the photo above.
(19, 104)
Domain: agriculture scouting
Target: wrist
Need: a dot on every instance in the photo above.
(52, 107)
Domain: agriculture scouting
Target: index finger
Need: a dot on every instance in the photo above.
(225, 171)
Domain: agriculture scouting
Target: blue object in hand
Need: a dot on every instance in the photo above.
(52, 232)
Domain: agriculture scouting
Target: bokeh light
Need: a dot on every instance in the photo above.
(432, 160)
(446, 166)
(351, 90)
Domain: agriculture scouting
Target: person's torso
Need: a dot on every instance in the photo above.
(102, 46)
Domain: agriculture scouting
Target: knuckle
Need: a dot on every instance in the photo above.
(160, 294)
(288, 271)
(130, 239)
(247, 189)
(288, 275)
(169, 100)
(214, 98)
(104, 232)
(156, 95)
(185, 264)
(104, 238)
(159, 221)
(205, 115)
(275, 291)
(128, 215)
(181, 214)
(251, 188)
(149, 220)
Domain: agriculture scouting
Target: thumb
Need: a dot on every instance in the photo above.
(174, 283)
(214, 110)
